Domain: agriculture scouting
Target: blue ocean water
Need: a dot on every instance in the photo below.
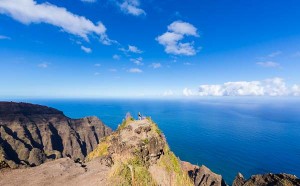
(250, 136)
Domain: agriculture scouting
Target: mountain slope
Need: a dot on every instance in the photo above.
(33, 134)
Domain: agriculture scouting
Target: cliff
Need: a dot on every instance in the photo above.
(138, 154)
(33, 134)
(267, 180)
(86, 152)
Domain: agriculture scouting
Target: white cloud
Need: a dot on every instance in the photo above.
(96, 74)
(188, 92)
(268, 87)
(155, 65)
(89, 1)
(134, 49)
(171, 39)
(137, 61)
(168, 93)
(132, 7)
(29, 11)
(187, 63)
(296, 90)
(4, 37)
(135, 70)
(86, 50)
(131, 49)
(43, 65)
(97, 65)
(269, 64)
(274, 54)
(116, 57)
(183, 28)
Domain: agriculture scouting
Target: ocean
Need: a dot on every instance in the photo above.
(247, 135)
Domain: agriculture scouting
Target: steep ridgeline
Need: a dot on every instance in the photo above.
(138, 154)
(32, 134)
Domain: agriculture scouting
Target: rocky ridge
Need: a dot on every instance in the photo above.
(138, 154)
(86, 152)
(33, 134)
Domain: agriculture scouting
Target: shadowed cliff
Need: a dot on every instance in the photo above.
(32, 134)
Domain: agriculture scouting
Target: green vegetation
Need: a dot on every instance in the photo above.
(172, 165)
(146, 141)
(154, 126)
(132, 172)
(101, 150)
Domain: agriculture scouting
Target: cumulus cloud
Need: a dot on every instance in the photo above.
(4, 37)
(296, 90)
(131, 7)
(86, 49)
(137, 61)
(188, 92)
(268, 87)
(135, 70)
(29, 11)
(155, 65)
(269, 64)
(168, 93)
(171, 39)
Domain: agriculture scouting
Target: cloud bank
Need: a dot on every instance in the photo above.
(171, 39)
(29, 11)
(268, 87)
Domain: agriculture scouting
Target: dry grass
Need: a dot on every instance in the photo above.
(101, 150)
(172, 165)
(131, 172)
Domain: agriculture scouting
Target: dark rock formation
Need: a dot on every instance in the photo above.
(267, 180)
(202, 176)
(32, 134)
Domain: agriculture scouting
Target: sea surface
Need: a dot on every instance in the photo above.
(248, 135)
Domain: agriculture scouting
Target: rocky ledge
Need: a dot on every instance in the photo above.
(33, 134)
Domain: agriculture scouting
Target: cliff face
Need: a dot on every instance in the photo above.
(33, 134)
(266, 180)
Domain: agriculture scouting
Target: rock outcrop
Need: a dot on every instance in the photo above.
(32, 134)
(202, 176)
(138, 154)
(267, 180)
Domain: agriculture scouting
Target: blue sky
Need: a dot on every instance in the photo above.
(149, 48)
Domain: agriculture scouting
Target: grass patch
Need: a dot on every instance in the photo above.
(101, 150)
(146, 141)
(131, 172)
(172, 165)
